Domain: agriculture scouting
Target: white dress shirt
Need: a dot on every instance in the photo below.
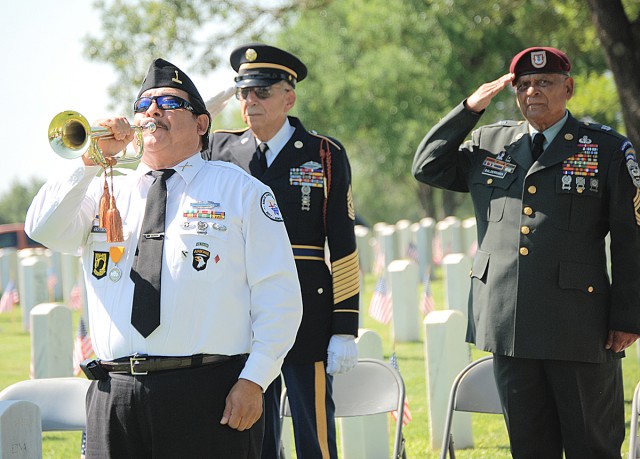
(278, 141)
(229, 282)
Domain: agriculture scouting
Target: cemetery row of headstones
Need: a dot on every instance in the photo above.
(404, 253)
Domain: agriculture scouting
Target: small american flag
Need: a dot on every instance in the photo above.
(9, 297)
(406, 413)
(412, 252)
(75, 300)
(426, 302)
(379, 263)
(52, 282)
(82, 348)
(380, 308)
(438, 252)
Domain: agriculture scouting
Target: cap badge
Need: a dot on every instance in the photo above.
(251, 54)
(176, 79)
(539, 59)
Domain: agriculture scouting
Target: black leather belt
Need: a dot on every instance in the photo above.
(143, 364)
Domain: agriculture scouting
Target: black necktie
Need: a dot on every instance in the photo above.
(536, 149)
(263, 147)
(145, 273)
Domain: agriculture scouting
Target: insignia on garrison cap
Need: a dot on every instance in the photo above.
(251, 55)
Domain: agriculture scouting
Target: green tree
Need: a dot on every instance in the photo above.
(15, 202)
(134, 32)
(381, 73)
(384, 72)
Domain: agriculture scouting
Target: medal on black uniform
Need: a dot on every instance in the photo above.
(307, 176)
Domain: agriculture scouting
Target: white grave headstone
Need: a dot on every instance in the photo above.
(54, 276)
(424, 234)
(33, 284)
(51, 341)
(450, 235)
(365, 249)
(470, 236)
(403, 281)
(456, 267)
(20, 430)
(404, 238)
(446, 354)
(387, 243)
(8, 267)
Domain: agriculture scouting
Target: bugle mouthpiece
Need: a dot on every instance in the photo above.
(150, 126)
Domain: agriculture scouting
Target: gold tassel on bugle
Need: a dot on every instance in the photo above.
(104, 202)
(113, 223)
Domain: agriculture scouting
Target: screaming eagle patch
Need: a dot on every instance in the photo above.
(200, 259)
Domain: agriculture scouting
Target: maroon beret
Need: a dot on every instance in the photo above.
(539, 60)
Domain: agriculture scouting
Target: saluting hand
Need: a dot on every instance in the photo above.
(244, 405)
(618, 341)
(482, 97)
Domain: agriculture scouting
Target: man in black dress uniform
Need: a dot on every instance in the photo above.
(311, 178)
(546, 192)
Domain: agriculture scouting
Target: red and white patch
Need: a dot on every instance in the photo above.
(538, 59)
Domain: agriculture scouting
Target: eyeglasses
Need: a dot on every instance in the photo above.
(261, 92)
(166, 102)
(543, 83)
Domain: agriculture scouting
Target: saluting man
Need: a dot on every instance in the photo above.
(311, 179)
(546, 192)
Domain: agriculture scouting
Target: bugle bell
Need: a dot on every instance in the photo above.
(71, 136)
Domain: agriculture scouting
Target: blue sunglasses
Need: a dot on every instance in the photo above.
(168, 102)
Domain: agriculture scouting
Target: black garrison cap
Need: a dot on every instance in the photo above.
(163, 74)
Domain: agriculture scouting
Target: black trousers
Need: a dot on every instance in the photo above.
(170, 414)
(551, 406)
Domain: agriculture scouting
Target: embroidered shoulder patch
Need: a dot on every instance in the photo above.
(632, 162)
(270, 207)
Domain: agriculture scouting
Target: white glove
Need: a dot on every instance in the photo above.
(342, 354)
(219, 101)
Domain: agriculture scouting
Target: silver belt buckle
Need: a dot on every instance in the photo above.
(132, 364)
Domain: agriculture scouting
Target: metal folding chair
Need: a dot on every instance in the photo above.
(61, 400)
(372, 387)
(634, 449)
(473, 390)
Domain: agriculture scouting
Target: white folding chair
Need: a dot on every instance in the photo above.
(61, 400)
(371, 387)
(473, 390)
(634, 452)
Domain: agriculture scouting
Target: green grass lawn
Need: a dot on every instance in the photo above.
(489, 431)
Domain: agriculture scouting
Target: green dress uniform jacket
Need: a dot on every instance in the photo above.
(314, 196)
(540, 284)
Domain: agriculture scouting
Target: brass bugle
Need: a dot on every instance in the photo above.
(71, 136)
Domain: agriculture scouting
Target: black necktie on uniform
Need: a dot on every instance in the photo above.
(263, 147)
(145, 273)
(536, 149)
